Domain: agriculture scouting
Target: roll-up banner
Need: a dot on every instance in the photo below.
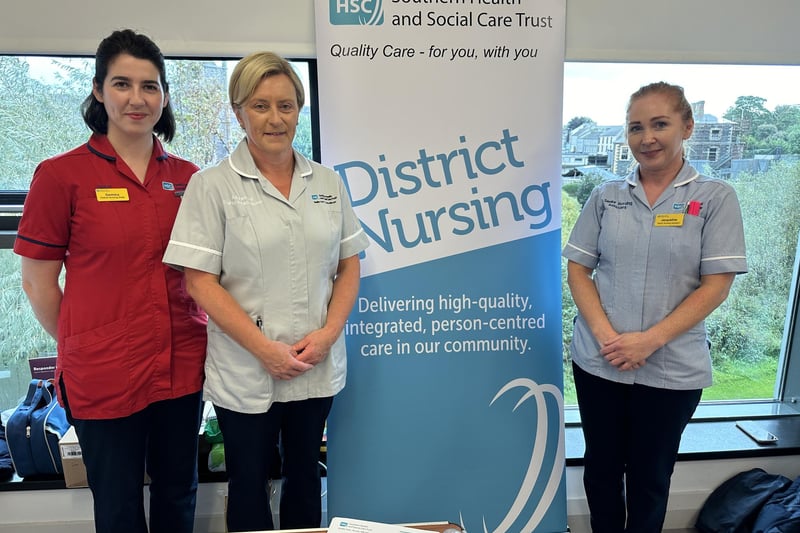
(443, 118)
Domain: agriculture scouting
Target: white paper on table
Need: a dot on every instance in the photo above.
(351, 525)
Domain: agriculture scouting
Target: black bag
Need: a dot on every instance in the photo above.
(6, 467)
(34, 429)
(734, 505)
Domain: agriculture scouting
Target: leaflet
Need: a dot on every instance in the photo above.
(351, 525)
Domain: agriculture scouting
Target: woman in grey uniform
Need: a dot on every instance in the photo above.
(269, 243)
(649, 258)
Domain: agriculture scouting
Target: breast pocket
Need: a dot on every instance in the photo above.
(98, 226)
(324, 229)
(686, 241)
(241, 251)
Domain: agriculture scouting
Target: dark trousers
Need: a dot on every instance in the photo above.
(632, 435)
(249, 443)
(161, 439)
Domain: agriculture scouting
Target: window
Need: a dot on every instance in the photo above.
(606, 143)
(754, 334)
(40, 117)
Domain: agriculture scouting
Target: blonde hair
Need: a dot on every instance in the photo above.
(675, 92)
(249, 72)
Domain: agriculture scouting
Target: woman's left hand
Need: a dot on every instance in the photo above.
(315, 346)
(628, 351)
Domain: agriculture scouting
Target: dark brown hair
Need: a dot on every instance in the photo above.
(141, 47)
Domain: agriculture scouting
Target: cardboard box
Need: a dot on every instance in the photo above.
(72, 460)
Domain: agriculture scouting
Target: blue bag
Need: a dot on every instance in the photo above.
(734, 505)
(781, 513)
(34, 429)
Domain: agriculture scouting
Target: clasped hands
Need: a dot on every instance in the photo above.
(284, 361)
(627, 351)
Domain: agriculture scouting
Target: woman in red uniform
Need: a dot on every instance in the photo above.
(131, 342)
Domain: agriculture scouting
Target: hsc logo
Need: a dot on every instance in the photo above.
(356, 12)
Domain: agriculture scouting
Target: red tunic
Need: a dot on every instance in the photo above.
(128, 332)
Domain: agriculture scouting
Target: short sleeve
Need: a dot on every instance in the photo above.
(354, 238)
(723, 245)
(582, 246)
(198, 235)
(44, 229)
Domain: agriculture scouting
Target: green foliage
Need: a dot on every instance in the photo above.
(766, 132)
(786, 116)
(582, 188)
(207, 130)
(570, 209)
(39, 119)
(748, 111)
(743, 381)
(748, 326)
(21, 336)
(302, 137)
(574, 122)
(739, 381)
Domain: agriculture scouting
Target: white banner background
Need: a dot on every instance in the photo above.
(444, 120)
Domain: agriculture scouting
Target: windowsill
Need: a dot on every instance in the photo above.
(712, 433)
(711, 411)
(57, 482)
(204, 474)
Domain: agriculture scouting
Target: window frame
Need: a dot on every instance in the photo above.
(11, 203)
(788, 388)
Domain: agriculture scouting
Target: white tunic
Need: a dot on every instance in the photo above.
(278, 259)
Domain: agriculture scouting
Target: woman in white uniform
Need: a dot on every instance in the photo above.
(269, 243)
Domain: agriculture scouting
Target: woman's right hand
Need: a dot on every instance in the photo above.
(277, 358)
(628, 351)
(280, 360)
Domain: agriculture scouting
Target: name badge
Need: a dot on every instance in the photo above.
(669, 220)
(111, 195)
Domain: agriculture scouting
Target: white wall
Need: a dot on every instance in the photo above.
(711, 31)
(692, 482)
(70, 510)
